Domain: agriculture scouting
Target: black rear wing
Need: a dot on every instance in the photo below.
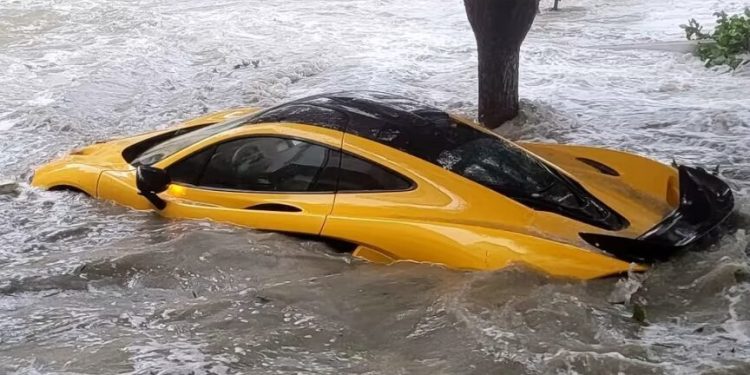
(705, 202)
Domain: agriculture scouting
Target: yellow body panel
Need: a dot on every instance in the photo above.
(68, 172)
(644, 192)
(445, 219)
(232, 206)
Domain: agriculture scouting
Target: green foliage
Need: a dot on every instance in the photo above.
(728, 44)
(639, 314)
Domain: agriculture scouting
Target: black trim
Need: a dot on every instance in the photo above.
(252, 191)
(599, 166)
(68, 188)
(630, 250)
(150, 181)
(274, 207)
(337, 244)
(705, 202)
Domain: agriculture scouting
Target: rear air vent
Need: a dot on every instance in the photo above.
(602, 168)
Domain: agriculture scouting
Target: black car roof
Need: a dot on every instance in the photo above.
(357, 112)
(402, 123)
(374, 102)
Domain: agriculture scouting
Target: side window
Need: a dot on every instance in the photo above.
(360, 175)
(258, 164)
(189, 170)
(283, 165)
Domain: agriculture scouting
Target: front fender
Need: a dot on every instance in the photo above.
(68, 172)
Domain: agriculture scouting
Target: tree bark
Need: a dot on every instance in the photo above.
(500, 27)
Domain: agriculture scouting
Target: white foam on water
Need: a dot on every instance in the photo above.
(6, 124)
(605, 73)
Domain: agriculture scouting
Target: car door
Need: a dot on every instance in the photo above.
(269, 182)
(388, 204)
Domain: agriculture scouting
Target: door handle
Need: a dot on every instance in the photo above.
(276, 207)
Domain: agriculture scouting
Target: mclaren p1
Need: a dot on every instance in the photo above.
(397, 180)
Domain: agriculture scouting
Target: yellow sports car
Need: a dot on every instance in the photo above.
(396, 180)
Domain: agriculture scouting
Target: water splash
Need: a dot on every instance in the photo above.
(80, 279)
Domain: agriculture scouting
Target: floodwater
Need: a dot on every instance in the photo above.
(87, 287)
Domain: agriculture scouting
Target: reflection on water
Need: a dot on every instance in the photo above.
(89, 287)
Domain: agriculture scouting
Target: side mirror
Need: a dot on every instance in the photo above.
(151, 181)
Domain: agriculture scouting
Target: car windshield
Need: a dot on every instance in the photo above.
(289, 112)
(164, 149)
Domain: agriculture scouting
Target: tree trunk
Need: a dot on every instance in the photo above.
(500, 27)
(498, 85)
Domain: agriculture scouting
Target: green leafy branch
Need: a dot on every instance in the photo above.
(728, 44)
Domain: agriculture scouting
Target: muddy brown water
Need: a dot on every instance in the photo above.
(87, 287)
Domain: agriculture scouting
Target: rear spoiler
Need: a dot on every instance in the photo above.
(705, 202)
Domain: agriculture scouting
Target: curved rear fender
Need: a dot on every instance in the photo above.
(404, 240)
(469, 247)
(551, 257)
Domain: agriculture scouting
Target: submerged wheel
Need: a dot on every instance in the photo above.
(69, 189)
